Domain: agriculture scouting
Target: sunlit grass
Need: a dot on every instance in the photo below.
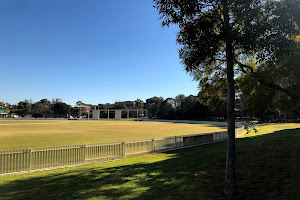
(270, 128)
(267, 168)
(18, 134)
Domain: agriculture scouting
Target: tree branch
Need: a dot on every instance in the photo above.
(243, 66)
(263, 82)
(276, 87)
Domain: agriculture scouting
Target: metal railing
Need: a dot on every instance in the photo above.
(32, 159)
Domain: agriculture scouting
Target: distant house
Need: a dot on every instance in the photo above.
(82, 108)
(3, 114)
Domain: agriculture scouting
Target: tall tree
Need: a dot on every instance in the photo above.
(61, 109)
(153, 105)
(215, 37)
(139, 103)
(214, 96)
(23, 108)
(45, 102)
(41, 110)
(2, 105)
(166, 109)
(178, 101)
(286, 74)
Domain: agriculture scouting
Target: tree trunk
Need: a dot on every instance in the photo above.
(230, 178)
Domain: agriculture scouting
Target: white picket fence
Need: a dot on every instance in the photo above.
(32, 159)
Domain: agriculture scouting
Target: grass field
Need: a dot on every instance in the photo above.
(18, 134)
(267, 168)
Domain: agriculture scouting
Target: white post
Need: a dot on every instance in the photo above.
(124, 149)
(127, 114)
(153, 144)
(192, 140)
(29, 160)
(84, 153)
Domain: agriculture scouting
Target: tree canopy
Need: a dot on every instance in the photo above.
(220, 39)
(264, 31)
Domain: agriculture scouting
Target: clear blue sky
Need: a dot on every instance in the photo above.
(94, 51)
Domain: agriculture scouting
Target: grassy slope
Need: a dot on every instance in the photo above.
(267, 168)
(18, 134)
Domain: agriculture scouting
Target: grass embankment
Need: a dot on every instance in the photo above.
(267, 168)
(18, 134)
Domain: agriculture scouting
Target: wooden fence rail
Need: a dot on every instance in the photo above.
(26, 160)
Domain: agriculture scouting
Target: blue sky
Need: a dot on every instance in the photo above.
(94, 51)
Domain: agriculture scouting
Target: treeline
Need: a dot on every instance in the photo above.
(180, 107)
(209, 104)
(43, 108)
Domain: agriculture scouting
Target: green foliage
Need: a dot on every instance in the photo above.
(166, 110)
(262, 30)
(102, 106)
(24, 105)
(45, 102)
(2, 105)
(5, 107)
(263, 101)
(121, 106)
(61, 109)
(180, 107)
(178, 101)
(153, 106)
(214, 96)
(23, 108)
(216, 36)
(41, 110)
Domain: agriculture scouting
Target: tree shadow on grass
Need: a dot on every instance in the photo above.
(207, 123)
(266, 169)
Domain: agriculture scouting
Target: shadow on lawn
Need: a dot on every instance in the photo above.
(266, 170)
(207, 123)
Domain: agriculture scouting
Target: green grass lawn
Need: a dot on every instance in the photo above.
(18, 134)
(267, 168)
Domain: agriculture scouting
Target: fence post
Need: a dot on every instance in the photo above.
(124, 149)
(192, 140)
(175, 141)
(29, 160)
(84, 153)
(153, 144)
